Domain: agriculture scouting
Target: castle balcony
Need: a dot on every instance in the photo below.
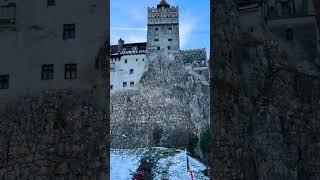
(8, 14)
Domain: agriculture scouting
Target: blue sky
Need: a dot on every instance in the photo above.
(128, 20)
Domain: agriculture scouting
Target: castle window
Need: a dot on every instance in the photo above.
(156, 31)
(169, 47)
(51, 2)
(131, 71)
(158, 48)
(137, 60)
(142, 59)
(156, 39)
(289, 34)
(131, 84)
(169, 39)
(286, 9)
(126, 61)
(69, 31)
(4, 81)
(124, 84)
(170, 30)
(70, 71)
(47, 72)
(111, 86)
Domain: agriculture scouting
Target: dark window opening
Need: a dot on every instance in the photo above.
(69, 31)
(131, 84)
(289, 34)
(169, 47)
(51, 2)
(4, 81)
(169, 39)
(142, 59)
(111, 86)
(125, 61)
(131, 71)
(158, 48)
(156, 31)
(136, 59)
(156, 40)
(124, 84)
(47, 72)
(70, 71)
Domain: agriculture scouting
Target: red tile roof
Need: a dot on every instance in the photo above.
(163, 3)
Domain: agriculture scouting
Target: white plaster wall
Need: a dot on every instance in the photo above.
(122, 71)
(24, 49)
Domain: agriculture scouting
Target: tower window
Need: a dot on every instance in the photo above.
(4, 81)
(126, 61)
(69, 31)
(124, 84)
(142, 59)
(137, 60)
(70, 71)
(169, 30)
(158, 48)
(169, 47)
(131, 71)
(111, 86)
(289, 34)
(131, 84)
(47, 72)
(156, 31)
(156, 39)
(169, 39)
(51, 2)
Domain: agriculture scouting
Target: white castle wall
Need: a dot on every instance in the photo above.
(121, 71)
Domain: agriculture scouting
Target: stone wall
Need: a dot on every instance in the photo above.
(54, 135)
(265, 111)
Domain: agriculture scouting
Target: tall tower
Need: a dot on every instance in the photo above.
(163, 29)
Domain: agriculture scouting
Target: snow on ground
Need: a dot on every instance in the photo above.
(171, 165)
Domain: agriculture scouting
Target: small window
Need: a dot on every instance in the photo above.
(131, 84)
(111, 86)
(126, 61)
(51, 2)
(142, 59)
(289, 34)
(70, 71)
(69, 31)
(158, 48)
(156, 31)
(4, 81)
(170, 30)
(131, 71)
(156, 39)
(124, 84)
(136, 59)
(169, 47)
(169, 39)
(47, 72)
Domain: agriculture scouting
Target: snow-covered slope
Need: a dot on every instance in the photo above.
(171, 164)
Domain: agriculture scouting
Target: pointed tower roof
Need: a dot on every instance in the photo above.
(163, 3)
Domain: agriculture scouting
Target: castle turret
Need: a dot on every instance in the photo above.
(120, 45)
(163, 29)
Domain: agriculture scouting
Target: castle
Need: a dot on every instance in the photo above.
(129, 61)
(54, 47)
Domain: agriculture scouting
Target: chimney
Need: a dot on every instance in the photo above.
(120, 45)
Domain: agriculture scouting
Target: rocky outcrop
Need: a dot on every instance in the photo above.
(53, 135)
(265, 111)
(170, 104)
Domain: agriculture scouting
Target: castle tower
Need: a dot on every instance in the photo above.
(163, 29)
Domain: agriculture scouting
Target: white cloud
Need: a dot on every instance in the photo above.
(188, 25)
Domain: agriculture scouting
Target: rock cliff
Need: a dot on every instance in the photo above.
(170, 104)
(265, 111)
